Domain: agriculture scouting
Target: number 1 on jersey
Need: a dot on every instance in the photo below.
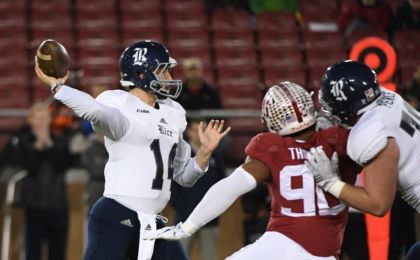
(158, 180)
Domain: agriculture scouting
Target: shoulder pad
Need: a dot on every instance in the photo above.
(113, 98)
(262, 146)
(172, 103)
(367, 138)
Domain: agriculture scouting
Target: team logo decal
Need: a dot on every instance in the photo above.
(370, 95)
(337, 90)
(140, 56)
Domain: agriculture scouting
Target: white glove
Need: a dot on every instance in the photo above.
(325, 171)
(177, 232)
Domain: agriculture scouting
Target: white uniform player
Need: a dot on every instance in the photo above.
(143, 136)
(384, 139)
(395, 118)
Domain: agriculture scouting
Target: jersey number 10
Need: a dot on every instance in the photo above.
(158, 180)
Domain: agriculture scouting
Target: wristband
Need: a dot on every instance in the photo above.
(54, 87)
(336, 188)
(189, 227)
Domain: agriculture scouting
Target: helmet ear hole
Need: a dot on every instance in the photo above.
(141, 75)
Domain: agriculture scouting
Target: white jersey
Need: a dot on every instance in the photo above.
(393, 117)
(145, 146)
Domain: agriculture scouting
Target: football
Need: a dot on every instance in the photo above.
(53, 58)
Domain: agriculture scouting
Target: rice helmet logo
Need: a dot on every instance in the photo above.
(337, 90)
(140, 56)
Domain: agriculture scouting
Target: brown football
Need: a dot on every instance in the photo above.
(53, 58)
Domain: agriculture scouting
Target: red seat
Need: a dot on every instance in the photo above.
(4, 140)
(140, 6)
(278, 40)
(231, 21)
(407, 39)
(11, 96)
(197, 43)
(324, 59)
(11, 65)
(95, 39)
(97, 21)
(95, 5)
(141, 21)
(276, 22)
(233, 40)
(14, 7)
(246, 125)
(315, 74)
(11, 124)
(241, 100)
(360, 34)
(63, 37)
(111, 81)
(12, 39)
(9, 23)
(236, 149)
(274, 75)
(133, 35)
(183, 6)
(50, 6)
(236, 59)
(178, 72)
(183, 53)
(318, 10)
(244, 79)
(280, 58)
(323, 41)
(186, 21)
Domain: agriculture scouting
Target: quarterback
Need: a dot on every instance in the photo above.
(305, 222)
(384, 139)
(143, 135)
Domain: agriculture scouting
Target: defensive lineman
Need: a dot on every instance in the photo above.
(301, 212)
(143, 136)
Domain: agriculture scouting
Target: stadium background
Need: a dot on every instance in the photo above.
(243, 54)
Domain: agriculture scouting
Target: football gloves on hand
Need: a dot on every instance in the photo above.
(325, 171)
(180, 231)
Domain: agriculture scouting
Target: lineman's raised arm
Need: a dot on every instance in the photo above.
(107, 120)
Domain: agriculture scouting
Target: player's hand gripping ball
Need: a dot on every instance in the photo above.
(53, 59)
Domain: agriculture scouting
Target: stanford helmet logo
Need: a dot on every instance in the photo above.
(140, 56)
(337, 90)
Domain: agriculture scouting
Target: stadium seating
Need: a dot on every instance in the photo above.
(241, 53)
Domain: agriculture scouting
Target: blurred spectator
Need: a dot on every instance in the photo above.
(184, 199)
(45, 157)
(94, 159)
(364, 14)
(415, 85)
(258, 6)
(407, 15)
(196, 92)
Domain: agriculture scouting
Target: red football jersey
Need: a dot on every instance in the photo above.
(300, 209)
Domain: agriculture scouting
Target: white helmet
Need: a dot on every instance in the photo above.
(287, 108)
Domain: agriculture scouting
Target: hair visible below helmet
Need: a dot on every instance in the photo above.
(348, 89)
(143, 65)
(287, 108)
